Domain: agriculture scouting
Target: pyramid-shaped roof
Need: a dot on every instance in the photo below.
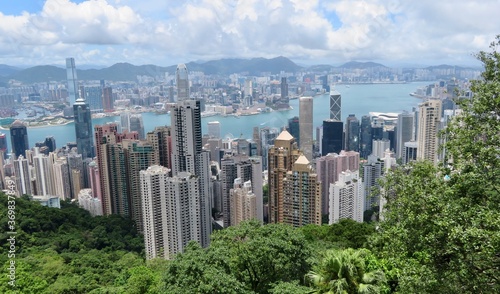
(302, 160)
(285, 136)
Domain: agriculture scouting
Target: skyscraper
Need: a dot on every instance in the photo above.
(284, 90)
(214, 129)
(306, 126)
(281, 157)
(23, 176)
(246, 169)
(72, 80)
(243, 202)
(404, 132)
(365, 147)
(125, 121)
(112, 168)
(181, 78)
(352, 133)
(107, 99)
(161, 140)
(294, 128)
(335, 105)
(93, 96)
(429, 117)
(347, 198)
(170, 208)
(19, 139)
(188, 156)
(139, 156)
(302, 195)
(83, 128)
(3, 145)
(44, 175)
(136, 124)
(333, 137)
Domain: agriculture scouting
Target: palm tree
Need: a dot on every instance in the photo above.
(344, 272)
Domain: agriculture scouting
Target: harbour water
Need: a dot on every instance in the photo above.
(358, 99)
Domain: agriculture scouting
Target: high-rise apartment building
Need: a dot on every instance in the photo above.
(247, 169)
(171, 213)
(83, 128)
(410, 152)
(429, 117)
(139, 156)
(404, 132)
(329, 167)
(347, 198)
(72, 81)
(181, 78)
(380, 146)
(335, 105)
(188, 156)
(44, 174)
(22, 171)
(63, 177)
(301, 195)
(19, 139)
(3, 145)
(306, 126)
(112, 168)
(90, 203)
(161, 140)
(281, 157)
(243, 202)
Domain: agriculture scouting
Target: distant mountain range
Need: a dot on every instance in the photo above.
(129, 72)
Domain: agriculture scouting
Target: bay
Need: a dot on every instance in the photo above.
(357, 99)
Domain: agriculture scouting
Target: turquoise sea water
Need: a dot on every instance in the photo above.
(358, 99)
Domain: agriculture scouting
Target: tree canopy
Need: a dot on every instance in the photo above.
(441, 224)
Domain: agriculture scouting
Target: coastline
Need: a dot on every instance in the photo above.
(40, 125)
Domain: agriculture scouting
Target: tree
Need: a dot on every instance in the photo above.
(346, 271)
(260, 256)
(201, 271)
(441, 225)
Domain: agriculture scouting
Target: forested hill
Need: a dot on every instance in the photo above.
(68, 251)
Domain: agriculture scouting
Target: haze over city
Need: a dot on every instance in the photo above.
(101, 33)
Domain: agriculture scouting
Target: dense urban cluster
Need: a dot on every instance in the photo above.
(178, 185)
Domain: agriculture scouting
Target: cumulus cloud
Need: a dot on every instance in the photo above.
(314, 31)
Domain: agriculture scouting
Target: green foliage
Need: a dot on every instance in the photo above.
(262, 255)
(442, 224)
(347, 271)
(67, 250)
(249, 258)
(200, 271)
(346, 233)
(290, 288)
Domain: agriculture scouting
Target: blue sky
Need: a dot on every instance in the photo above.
(166, 32)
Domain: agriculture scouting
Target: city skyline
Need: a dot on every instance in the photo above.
(331, 32)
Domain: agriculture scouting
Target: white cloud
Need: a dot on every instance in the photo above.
(167, 32)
